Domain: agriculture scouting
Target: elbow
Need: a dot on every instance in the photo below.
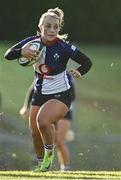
(89, 64)
(7, 55)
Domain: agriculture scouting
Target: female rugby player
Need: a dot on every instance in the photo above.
(52, 92)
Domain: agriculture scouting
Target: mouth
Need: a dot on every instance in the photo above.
(51, 35)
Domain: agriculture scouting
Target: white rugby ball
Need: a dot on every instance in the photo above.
(34, 45)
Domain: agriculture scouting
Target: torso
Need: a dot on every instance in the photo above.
(50, 69)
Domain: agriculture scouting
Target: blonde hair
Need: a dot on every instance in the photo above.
(56, 13)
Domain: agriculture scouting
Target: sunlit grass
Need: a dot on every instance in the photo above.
(61, 175)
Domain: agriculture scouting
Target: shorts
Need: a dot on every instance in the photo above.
(39, 99)
(69, 115)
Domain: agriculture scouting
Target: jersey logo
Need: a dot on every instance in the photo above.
(56, 56)
(57, 95)
(73, 47)
(44, 69)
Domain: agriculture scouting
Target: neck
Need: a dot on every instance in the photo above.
(49, 43)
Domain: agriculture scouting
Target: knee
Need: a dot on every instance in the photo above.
(59, 143)
(35, 134)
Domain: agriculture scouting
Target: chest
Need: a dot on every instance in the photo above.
(52, 58)
(55, 56)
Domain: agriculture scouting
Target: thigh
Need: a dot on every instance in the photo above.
(52, 110)
(32, 118)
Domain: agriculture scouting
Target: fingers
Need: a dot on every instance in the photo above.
(75, 73)
(29, 53)
(32, 54)
(24, 112)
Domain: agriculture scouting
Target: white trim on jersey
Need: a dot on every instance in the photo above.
(71, 107)
(41, 60)
(56, 83)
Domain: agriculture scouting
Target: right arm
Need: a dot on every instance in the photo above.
(21, 49)
(14, 52)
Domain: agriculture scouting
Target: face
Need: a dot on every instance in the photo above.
(50, 28)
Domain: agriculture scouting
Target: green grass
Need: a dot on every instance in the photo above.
(61, 175)
(101, 86)
(103, 81)
(97, 118)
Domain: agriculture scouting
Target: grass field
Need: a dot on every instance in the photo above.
(24, 175)
(97, 117)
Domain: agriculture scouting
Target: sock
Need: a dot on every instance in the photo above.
(39, 159)
(64, 167)
(48, 148)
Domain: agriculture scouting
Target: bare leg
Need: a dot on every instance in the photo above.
(49, 113)
(36, 136)
(62, 149)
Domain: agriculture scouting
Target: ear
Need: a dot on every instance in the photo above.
(59, 29)
(40, 28)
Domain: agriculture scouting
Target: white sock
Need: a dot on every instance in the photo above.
(64, 167)
(39, 159)
(48, 148)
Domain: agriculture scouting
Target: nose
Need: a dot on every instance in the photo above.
(52, 29)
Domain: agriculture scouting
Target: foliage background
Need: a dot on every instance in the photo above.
(85, 20)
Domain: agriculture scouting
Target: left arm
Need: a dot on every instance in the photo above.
(80, 58)
(85, 62)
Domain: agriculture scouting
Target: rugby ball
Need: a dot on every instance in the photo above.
(34, 45)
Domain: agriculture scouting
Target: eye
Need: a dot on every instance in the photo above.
(48, 26)
(56, 27)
